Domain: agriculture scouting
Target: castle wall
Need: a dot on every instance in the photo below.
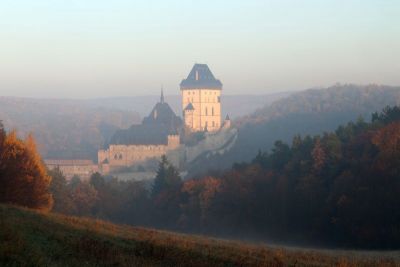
(118, 156)
(207, 108)
(82, 168)
(216, 142)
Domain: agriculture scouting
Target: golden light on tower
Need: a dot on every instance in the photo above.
(201, 104)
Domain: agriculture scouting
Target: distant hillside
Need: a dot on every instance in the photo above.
(64, 128)
(30, 238)
(234, 105)
(308, 112)
(68, 128)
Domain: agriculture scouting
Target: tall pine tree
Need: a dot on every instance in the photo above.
(167, 177)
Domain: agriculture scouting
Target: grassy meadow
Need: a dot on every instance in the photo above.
(32, 238)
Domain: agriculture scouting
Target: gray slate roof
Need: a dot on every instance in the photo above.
(154, 129)
(162, 113)
(200, 77)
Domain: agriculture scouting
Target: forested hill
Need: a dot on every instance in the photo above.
(308, 112)
(355, 99)
(77, 128)
(339, 189)
(64, 128)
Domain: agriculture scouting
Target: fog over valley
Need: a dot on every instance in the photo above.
(259, 133)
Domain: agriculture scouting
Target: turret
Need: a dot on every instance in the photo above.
(227, 123)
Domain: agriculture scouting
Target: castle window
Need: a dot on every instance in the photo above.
(120, 156)
(213, 124)
(115, 156)
(219, 99)
(206, 112)
(212, 111)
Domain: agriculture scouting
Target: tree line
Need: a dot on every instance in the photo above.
(336, 189)
(340, 188)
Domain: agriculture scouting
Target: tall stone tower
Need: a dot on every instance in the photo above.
(201, 103)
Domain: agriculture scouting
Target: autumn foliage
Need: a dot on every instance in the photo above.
(23, 177)
(337, 189)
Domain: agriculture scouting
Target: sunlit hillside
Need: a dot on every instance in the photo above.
(31, 238)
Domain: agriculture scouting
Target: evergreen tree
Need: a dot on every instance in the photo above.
(97, 180)
(167, 177)
(60, 191)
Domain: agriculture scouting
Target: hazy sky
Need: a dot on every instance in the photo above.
(85, 48)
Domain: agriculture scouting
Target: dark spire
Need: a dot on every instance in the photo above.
(162, 95)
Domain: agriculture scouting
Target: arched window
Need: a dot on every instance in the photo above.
(212, 111)
(120, 156)
(115, 156)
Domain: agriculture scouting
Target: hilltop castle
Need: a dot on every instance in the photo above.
(161, 131)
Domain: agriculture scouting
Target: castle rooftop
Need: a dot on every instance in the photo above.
(154, 130)
(201, 77)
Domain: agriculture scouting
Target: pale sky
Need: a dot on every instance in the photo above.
(91, 48)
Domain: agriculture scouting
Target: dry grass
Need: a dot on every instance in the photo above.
(30, 238)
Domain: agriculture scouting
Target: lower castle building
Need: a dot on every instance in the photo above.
(157, 135)
(70, 168)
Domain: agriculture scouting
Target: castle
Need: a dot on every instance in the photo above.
(156, 136)
(161, 131)
(201, 99)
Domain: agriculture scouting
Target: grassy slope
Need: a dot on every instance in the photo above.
(30, 238)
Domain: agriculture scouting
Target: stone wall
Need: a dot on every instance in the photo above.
(217, 142)
(82, 168)
(122, 156)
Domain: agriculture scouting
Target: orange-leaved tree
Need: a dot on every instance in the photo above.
(23, 177)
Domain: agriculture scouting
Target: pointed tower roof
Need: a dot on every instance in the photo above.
(189, 107)
(200, 77)
(162, 95)
(227, 117)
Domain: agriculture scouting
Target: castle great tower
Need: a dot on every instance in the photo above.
(201, 103)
